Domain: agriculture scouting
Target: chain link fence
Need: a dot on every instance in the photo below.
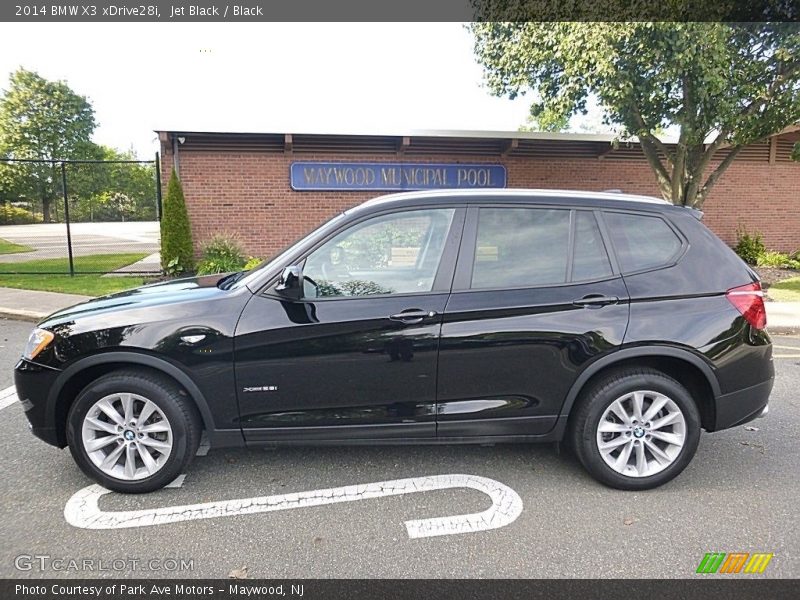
(79, 216)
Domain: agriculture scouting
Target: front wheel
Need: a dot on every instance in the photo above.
(133, 431)
(635, 429)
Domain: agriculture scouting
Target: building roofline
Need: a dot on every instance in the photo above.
(477, 134)
(426, 133)
(414, 143)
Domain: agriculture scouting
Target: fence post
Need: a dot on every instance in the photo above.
(158, 187)
(66, 218)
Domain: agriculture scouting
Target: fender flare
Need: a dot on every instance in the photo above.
(131, 358)
(650, 351)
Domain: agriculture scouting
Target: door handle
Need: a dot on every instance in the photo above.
(413, 316)
(595, 300)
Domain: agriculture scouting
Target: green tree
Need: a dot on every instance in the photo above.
(43, 120)
(721, 85)
(92, 187)
(177, 254)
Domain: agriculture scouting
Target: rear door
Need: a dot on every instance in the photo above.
(536, 297)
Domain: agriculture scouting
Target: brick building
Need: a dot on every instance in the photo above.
(245, 185)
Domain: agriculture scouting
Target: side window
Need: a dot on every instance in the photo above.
(590, 259)
(518, 247)
(641, 242)
(390, 254)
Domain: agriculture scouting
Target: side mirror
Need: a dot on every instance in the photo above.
(289, 284)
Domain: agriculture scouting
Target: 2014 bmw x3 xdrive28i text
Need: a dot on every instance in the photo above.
(617, 323)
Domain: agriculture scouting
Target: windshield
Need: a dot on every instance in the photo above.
(249, 276)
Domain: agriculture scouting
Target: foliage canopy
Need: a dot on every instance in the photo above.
(721, 85)
(43, 120)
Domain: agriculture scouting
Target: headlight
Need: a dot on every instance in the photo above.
(37, 341)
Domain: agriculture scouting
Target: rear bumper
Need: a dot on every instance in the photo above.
(743, 405)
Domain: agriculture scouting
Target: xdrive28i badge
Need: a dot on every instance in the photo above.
(261, 388)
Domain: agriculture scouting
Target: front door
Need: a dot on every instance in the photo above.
(355, 358)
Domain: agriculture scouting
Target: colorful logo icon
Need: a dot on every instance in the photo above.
(734, 562)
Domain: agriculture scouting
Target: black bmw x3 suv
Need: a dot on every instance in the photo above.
(619, 324)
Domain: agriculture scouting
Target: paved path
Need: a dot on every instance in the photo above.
(29, 305)
(149, 264)
(783, 317)
(49, 240)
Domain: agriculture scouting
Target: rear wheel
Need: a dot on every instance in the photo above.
(635, 429)
(133, 431)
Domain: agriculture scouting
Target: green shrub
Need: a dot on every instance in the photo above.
(221, 255)
(177, 254)
(777, 259)
(252, 263)
(173, 269)
(13, 215)
(749, 246)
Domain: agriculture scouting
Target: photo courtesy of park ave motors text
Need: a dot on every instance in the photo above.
(534, 301)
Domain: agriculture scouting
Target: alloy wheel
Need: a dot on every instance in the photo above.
(641, 433)
(127, 436)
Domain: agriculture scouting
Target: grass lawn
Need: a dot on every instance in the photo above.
(87, 285)
(7, 247)
(787, 290)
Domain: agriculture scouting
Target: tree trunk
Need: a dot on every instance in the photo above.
(46, 203)
(682, 180)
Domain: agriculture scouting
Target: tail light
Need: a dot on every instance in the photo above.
(749, 300)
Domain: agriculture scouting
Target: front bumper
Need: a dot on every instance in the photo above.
(33, 383)
(744, 405)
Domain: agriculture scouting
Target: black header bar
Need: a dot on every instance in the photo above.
(397, 10)
(733, 587)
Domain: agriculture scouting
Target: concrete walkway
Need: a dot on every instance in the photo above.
(149, 265)
(28, 305)
(783, 317)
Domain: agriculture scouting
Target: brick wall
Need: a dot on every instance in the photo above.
(247, 194)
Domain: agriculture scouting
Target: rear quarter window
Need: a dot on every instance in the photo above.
(642, 241)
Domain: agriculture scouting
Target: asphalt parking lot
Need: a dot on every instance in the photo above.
(49, 240)
(740, 494)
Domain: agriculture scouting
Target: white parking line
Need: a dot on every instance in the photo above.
(177, 482)
(82, 509)
(7, 397)
(204, 446)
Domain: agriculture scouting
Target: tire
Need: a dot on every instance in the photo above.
(169, 434)
(654, 437)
